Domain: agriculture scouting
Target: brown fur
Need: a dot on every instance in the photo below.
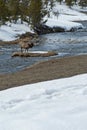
(25, 45)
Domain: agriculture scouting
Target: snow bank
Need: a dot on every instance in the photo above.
(10, 31)
(53, 105)
(63, 24)
(66, 17)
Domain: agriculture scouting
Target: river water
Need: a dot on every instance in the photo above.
(66, 44)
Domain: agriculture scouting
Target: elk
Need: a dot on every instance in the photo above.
(25, 45)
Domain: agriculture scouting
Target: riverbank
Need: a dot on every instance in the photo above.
(61, 19)
(47, 70)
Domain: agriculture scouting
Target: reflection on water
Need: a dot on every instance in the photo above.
(66, 44)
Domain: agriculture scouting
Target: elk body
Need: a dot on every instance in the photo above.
(25, 46)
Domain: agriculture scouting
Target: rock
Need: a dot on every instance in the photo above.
(73, 29)
(58, 29)
(43, 29)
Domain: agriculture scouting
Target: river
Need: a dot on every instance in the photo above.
(66, 44)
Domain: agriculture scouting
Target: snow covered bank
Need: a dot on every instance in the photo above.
(66, 17)
(64, 20)
(52, 105)
(10, 31)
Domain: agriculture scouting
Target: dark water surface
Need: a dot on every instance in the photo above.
(66, 44)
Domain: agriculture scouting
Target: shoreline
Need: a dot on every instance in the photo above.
(45, 70)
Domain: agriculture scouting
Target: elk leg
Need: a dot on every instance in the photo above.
(21, 50)
(27, 50)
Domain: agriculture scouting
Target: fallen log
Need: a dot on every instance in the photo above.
(35, 54)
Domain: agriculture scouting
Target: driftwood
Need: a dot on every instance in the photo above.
(30, 54)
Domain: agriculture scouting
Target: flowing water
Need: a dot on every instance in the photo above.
(66, 44)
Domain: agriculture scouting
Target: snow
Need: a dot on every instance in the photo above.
(59, 104)
(65, 19)
(41, 52)
(64, 24)
(11, 31)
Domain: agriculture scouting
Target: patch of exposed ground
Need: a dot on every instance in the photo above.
(43, 71)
